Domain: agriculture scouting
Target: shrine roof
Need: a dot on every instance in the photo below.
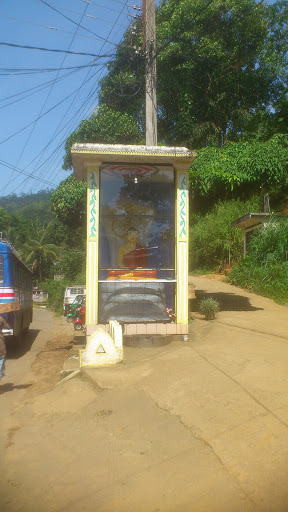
(89, 155)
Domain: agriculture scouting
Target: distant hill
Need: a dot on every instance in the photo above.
(29, 206)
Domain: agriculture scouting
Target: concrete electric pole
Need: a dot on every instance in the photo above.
(149, 30)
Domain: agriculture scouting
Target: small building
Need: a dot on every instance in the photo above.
(249, 223)
(137, 236)
(40, 296)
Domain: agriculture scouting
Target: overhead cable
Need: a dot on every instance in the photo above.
(54, 50)
(78, 114)
(36, 90)
(77, 12)
(86, 80)
(40, 117)
(49, 93)
(21, 171)
(35, 71)
(75, 23)
(57, 29)
(103, 6)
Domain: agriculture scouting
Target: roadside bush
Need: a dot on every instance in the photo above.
(265, 270)
(72, 263)
(270, 244)
(269, 280)
(212, 235)
(56, 291)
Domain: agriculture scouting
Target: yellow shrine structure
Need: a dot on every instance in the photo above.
(137, 237)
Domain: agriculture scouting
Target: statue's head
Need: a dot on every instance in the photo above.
(132, 235)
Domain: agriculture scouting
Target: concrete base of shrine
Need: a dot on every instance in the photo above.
(147, 329)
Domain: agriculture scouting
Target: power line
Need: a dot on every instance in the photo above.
(56, 28)
(90, 93)
(39, 89)
(51, 88)
(90, 98)
(116, 1)
(75, 12)
(46, 84)
(63, 140)
(54, 50)
(39, 117)
(51, 140)
(104, 6)
(72, 21)
(54, 152)
(35, 71)
(21, 171)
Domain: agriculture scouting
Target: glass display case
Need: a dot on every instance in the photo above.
(136, 243)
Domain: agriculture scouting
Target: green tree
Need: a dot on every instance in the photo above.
(68, 202)
(38, 250)
(105, 126)
(223, 64)
(122, 89)
(73, 262)
(5, 220)
(240, 170)
(219, 64)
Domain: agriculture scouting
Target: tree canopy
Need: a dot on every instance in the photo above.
(68, 202)
(241, 169)
(104, 126)
(219, 64)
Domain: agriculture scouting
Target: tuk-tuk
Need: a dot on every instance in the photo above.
(77, 303)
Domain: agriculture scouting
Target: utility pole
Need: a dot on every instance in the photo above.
(149, 32)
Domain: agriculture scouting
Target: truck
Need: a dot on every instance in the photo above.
(15, 291)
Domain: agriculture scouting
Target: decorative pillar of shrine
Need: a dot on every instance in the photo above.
(92, 246)
(182, 246)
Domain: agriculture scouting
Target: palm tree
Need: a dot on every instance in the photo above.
(36, 249)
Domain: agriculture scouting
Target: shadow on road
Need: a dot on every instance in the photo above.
(79, 340)
(10, 387)
(15, 351)
(227, 301)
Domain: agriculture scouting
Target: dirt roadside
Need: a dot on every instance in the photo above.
(199, 426)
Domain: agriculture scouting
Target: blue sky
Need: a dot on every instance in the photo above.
(40, 109)
(38, 149)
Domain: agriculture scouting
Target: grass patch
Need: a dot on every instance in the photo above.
(270, 280)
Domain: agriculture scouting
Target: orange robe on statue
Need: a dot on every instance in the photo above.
(136, 258)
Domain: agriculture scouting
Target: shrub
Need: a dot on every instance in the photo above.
(56, 291)
(271, 242)
(268, 280)
(209, 307)
(72, 263)
(265, 270)
(212, 236)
